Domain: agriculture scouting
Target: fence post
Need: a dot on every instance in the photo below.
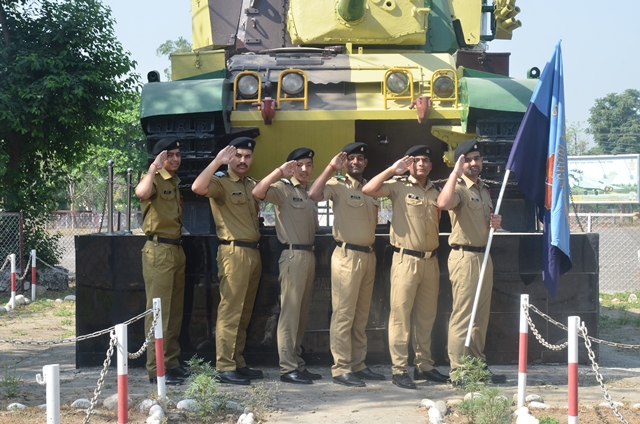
(523, 349)
(110, 197)
(13, 280)
(33, 275)
(573, 324)
(123, 373)
(51, 378)
(128, 227)
(162, 388)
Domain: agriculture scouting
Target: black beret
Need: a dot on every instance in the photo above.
(166, 143)
(419, 150)
(301, 153)
(465, 147)
(243, 143)
(355, 148)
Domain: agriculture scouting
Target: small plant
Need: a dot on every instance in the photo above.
(67, 321)
(63, 312)
(548, 420)
(203, 388)
(10, 381)
(484, 405)
(259, 399)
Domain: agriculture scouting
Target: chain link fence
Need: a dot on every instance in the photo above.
(11, 237)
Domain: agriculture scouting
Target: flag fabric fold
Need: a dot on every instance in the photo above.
(539, 160)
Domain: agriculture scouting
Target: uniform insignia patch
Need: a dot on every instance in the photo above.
(220, 174)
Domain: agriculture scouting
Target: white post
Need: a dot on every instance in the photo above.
(523, 349)
(13, 280)
(123, 374)
(159, 343)
(574, 323)
(33, 275)
(52, 380)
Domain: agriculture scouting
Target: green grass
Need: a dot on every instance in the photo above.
(622, 300)
(63, 312)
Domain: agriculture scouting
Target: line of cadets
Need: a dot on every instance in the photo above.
(234, 199)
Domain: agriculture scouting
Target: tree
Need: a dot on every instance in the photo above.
(577, 141)
(615, 122)
(181, 45)
(63, 74)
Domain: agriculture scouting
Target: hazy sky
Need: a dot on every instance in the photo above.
(598, 42)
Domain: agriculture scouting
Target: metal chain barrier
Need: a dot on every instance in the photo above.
(76, 339)
(534, 330)
(26, 270)
(582, 332)
(53, 268)
(103, 373)
(6, 261)
(593, 339)
(150, 335)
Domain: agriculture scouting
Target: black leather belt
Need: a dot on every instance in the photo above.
(164, 240)
(470, 248)
(366, 249)
(308, 247)
(416, 253)
(249, 244)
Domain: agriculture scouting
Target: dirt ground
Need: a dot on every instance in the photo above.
(324, 402)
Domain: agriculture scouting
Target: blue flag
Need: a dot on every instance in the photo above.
(539, 160)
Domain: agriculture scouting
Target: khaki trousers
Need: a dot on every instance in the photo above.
(297, 273)
(163, 268)
(464, 271)
(415, 284)
(352, 277)
(239, 270)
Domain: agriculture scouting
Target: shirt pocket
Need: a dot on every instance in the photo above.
(237, 198)
(355, 201)
(415, 206)
(168, 195)
(475, 203)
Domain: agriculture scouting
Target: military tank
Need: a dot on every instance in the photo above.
(321, 74)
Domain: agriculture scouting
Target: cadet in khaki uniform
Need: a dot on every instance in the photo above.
(235, 212)
(467, 199)
(415, 275)
(353, 263)
(296, 225)
(163, 260)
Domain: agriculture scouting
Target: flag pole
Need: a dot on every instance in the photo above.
(484, 261)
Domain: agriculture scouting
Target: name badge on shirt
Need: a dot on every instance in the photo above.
(166, 191)
(297, 199)
(355, 197)
(236, 193)
(475, 199)
(412, 196)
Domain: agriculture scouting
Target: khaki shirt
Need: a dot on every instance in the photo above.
(234, 208)
(162, 212)
(296, 214)
(415, 220)
(470, 214)
(355, 214)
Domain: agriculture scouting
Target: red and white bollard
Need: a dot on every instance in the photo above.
(573, 324)
(33, 275)
(123, 374)
(13, 280)
(162, 388)
(523, 348)
(51, 378)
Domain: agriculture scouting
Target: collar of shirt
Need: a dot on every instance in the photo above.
(469, 183)
(353, 182)
(166, 176)
(416, 182)
(234, 177)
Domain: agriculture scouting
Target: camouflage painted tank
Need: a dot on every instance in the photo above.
(323, 73)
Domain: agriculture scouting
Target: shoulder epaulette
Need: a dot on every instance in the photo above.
(252, 179)
(284, 180)
(399, 177)
(221, 174)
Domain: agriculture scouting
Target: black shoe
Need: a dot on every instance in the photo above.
(367, 374)
(295, 377)
(179, 372)
(249, 373)
(169, 380)
(403, 381)
(496, 378)
(349, 379)
(310, 375)
(232, 377)
(432, 375)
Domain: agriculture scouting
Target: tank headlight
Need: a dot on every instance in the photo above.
(397, 82)
(292, 83)
(248, 86)
(443, 87)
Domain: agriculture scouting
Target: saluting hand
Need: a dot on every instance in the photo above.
(402, 165)
(339, 161)
(226, 155)
(159, 161)
(287, 168)
(459, 166)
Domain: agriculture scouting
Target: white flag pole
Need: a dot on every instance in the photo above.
(484, 261)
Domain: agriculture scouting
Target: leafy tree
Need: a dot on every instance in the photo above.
(62, 75)
(181, 45)
(615, 122)
(577, 141)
